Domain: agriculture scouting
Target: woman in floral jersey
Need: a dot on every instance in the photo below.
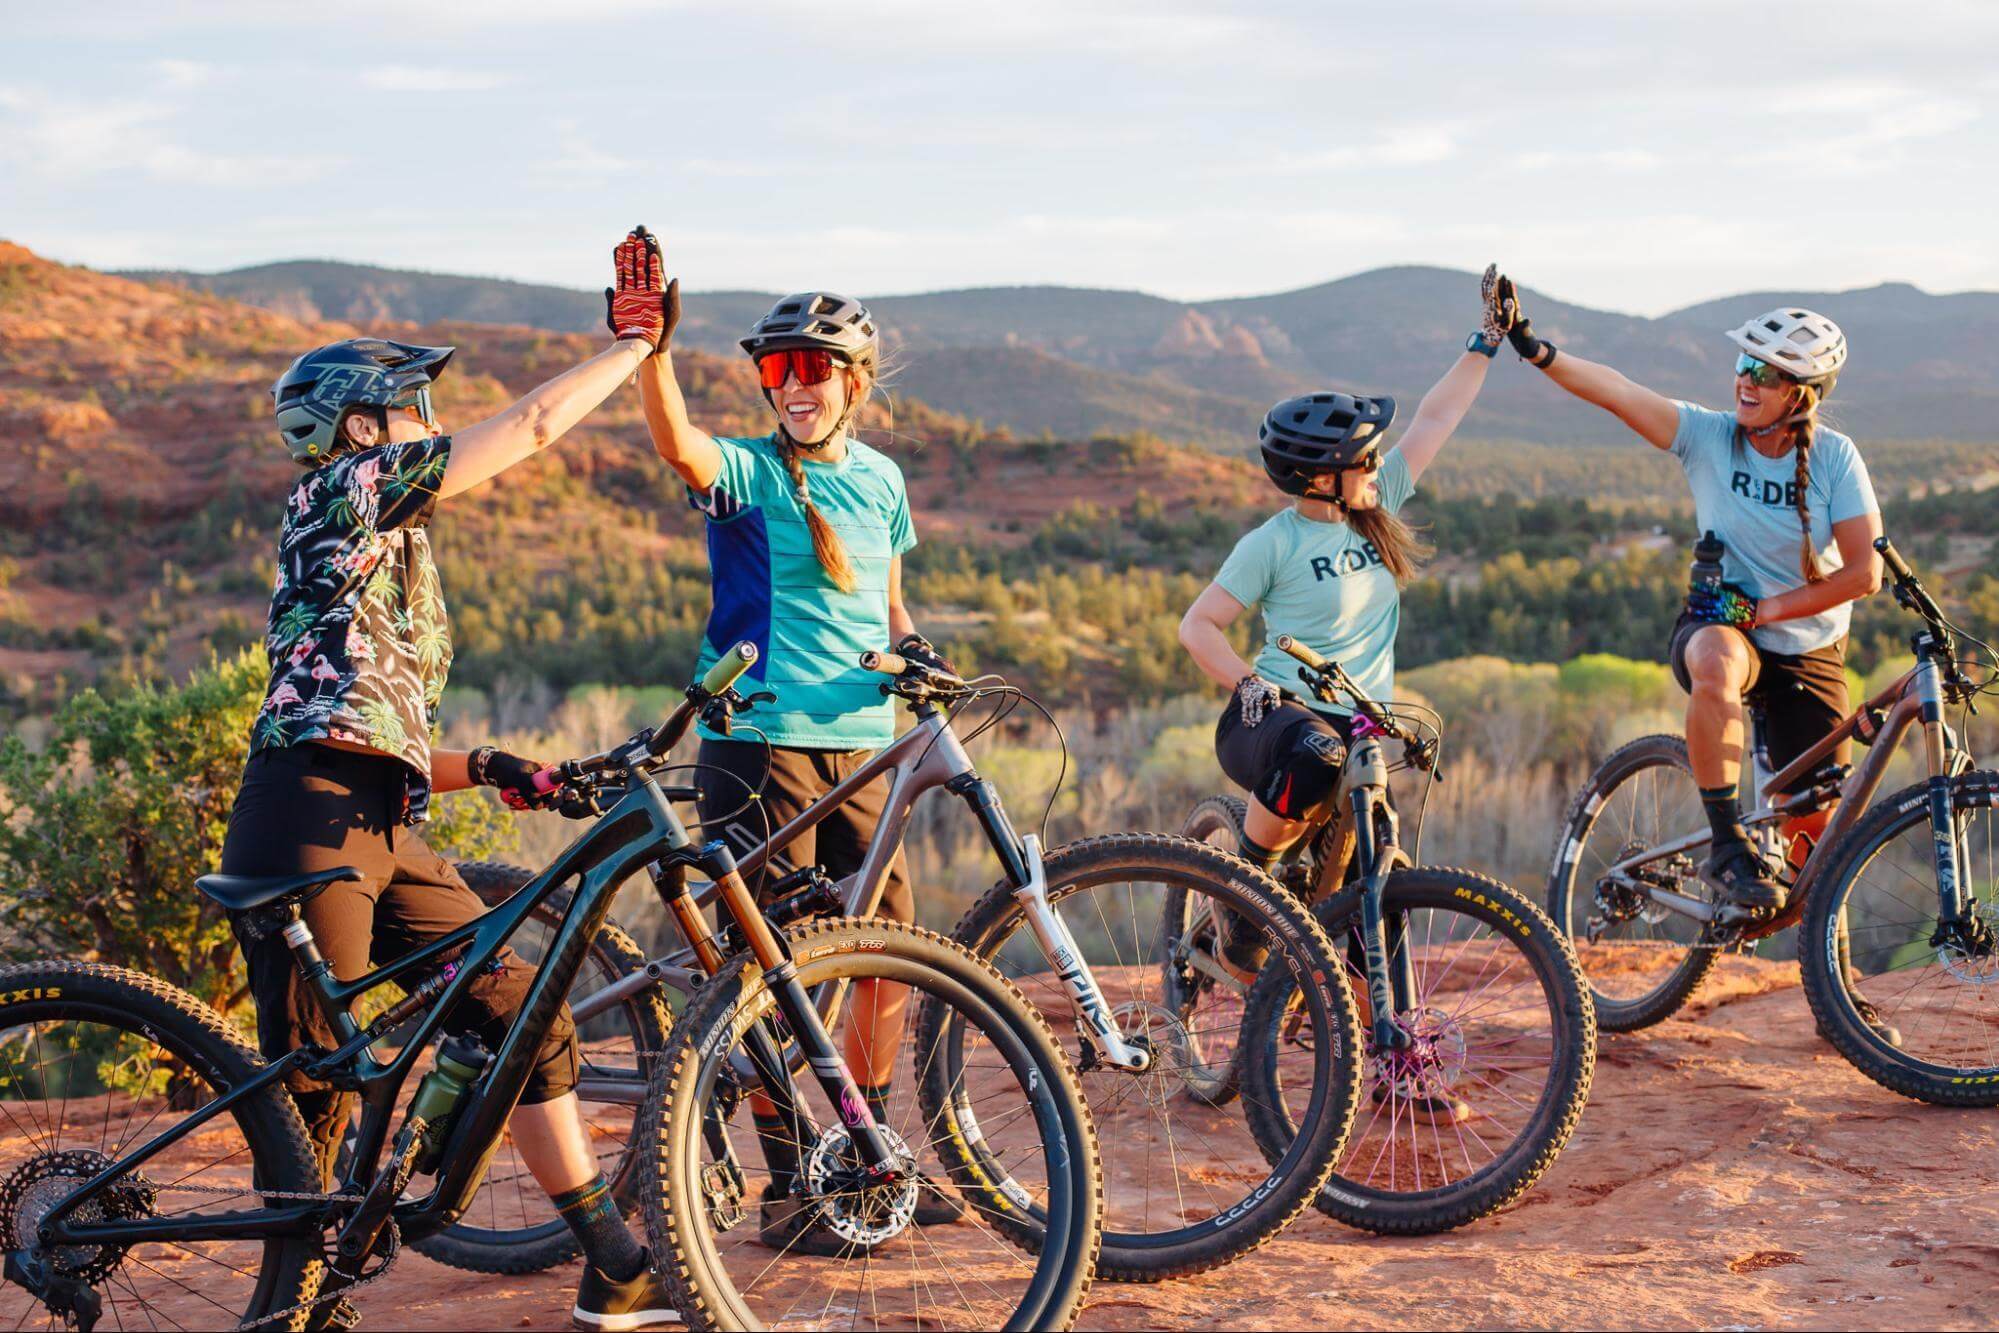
(341, 769)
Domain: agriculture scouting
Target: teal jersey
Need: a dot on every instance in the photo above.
(769, 589)
(1325, 587)
(1751, 503)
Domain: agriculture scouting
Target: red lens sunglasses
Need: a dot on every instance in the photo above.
(812, 365)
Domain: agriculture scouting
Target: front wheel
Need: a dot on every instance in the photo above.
(1187, 929)
(1642, 961)
(1497, 1044)
(1872, 944)
(755, 1228)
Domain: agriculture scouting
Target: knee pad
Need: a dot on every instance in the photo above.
(1306, 777)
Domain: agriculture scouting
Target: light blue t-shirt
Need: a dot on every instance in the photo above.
(769, 588)
(1325, 587)
(1750, 502)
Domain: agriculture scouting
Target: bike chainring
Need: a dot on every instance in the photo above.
(34, 1188)
(860, 1212)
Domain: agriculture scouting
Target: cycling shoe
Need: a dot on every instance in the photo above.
(1738, 874)
(1243, 951)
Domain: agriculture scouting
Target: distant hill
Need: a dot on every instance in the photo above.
(1203, 371)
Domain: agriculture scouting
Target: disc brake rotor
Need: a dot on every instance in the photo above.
(1432, 1062)
(857, 1211)
(1970, 952)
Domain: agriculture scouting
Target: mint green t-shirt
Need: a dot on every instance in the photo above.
(770, 589)
(1325, 587)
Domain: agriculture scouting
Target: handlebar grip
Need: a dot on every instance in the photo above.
(729, 668)
(548, 779)
(1287, 644)
(1893, 559)
(888, 664)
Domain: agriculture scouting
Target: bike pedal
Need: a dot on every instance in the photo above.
(342, 1314)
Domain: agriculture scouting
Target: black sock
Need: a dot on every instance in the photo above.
(877, 1098)
(1724, 817)
(607, 1242)
(1256, 853)
(779, 1149)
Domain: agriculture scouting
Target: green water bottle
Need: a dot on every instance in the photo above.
(437, 1097)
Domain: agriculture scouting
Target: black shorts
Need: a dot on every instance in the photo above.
(1250, 754)
(1801, 696)
(312, 807)
(790, 779)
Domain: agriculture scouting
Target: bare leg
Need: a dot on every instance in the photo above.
(874, 1030)
(553, 1143)
(1271, 830)
(1718, 660)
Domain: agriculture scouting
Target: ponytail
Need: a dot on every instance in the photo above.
(826, 543)
(1398, 545)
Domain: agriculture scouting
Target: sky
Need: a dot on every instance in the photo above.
(1634, 156)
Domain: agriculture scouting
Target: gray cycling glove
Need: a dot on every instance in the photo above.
(1256, 697)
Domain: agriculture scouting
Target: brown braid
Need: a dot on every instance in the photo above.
(826, 543)
(1802, 433)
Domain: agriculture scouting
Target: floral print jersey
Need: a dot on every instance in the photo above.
(357, 636)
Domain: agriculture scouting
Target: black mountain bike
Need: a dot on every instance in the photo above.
(156, 1173)
(1479, 1037)
(1075, 928)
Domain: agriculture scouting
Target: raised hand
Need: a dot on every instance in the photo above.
(641, 304)
(1495, 291)
(1503, 303)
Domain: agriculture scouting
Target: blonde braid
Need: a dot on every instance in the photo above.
(826, 543)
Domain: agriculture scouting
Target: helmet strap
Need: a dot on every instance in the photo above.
(839, 427)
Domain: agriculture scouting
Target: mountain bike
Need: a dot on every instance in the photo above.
(1479, 1038)
(1075, 929)
(156, 1172)
(1897, 911)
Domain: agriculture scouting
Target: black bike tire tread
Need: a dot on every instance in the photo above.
(1671, 997)
(1447, 1214)
(1214, 1253)
(178, 1008)
(674, 1265)
(1833, 1019)
(518, 1258)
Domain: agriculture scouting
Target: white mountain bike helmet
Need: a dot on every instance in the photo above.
(1804, 345)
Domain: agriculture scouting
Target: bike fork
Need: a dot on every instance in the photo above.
(1391, 983)
(1949, 858)
(1022, 858)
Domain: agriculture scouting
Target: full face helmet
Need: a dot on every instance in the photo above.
(318, 390)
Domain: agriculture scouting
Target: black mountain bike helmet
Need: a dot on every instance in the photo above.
(1304, 437)
(318, 390)
(838, 324)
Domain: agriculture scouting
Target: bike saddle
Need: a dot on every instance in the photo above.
(246, 893)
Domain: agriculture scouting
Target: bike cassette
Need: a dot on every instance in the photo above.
(34, 1188)
(860, 1212)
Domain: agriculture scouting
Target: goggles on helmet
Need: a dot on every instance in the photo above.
(1761, 373)
(419, 399)
(812, 365)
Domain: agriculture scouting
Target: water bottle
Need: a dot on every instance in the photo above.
(1707, 564)
(437, 1097)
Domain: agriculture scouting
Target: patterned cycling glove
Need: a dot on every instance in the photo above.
(1257, 697)
(643, 304)
(1722, 604)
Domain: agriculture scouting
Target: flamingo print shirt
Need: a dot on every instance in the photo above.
(357, 637)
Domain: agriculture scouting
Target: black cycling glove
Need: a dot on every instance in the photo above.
(1520, 329)
(917, 649)
(512, 776)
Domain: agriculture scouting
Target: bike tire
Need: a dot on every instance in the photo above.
(726, 1004)
(1620, 1012)
(193, 1033)
(1298, 1171)
(1498, 1183)
(1826, 986)
(549, 1242)
(1216, 821)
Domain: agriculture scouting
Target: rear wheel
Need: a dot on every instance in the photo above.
(1465, 1115)
(94, 1062)
(1642, 961)
(1187, 929)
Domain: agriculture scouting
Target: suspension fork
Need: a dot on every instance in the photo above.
(795, 1010)
(1391, 981)
(1021, 857)
(1947, 856)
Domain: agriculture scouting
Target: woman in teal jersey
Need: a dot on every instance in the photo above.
(807, 527)
(1328, 571)
(1796, 514)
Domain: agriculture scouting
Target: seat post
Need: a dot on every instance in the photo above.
(319, 972)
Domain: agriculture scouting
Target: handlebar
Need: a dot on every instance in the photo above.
(913, 680)
(1422, 750)
(1909, 589)
(888, 664)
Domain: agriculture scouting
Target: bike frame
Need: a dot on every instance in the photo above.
(1915, 699)
(925, 758)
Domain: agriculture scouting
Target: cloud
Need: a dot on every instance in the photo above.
(180, 75)
(429, 79)
(58, 139)
(1411, 146)
(1613, 159)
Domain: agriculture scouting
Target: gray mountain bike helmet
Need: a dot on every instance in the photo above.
(1316, 433)
(318, 390)
(817, 319)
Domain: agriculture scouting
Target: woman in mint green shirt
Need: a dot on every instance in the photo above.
(807, 527)
(1328, 571)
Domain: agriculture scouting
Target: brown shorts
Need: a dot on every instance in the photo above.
(791, 779)
(1800, 696)
(312, 807)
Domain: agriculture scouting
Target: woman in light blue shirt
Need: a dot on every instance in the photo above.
(1328, 570)
(1796, 514)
